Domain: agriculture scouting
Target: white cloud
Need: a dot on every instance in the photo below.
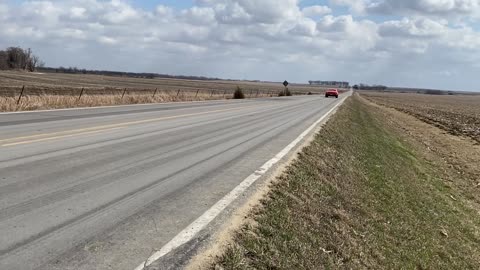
(107, 40)
(463, 38)
(117, 11)
(420, 33)
(313, 11)
(78, 13)
(162, 10)
(69, 33)
(305, 27)
(232, 13)
(436, 8)
(270, 39)
(244, 11)
(199, 15)
(44, 12)
(427, 7)
(419, 27)
(4, 12)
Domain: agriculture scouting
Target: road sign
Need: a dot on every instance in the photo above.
(285, 83)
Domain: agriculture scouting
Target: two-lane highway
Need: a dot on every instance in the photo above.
(102, 188)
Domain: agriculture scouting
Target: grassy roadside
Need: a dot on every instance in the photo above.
(40, 102)
(359, 197)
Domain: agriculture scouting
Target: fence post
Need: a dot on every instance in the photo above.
(178, 92)
(21, 94)
(124, 92)
(224, 93)
(250, 93)
(257, 94)
(155, 92)
(197, 93)
(211, 94)
(81, 93)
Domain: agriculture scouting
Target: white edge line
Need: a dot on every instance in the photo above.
(200, 223)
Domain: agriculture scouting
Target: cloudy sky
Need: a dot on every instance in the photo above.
(413, 43)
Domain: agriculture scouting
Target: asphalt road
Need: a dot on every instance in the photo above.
(102, 188)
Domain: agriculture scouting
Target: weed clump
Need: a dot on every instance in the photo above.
(285, 92)
(238, 94)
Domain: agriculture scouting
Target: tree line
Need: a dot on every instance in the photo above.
(75, 70)
(19, 59)
(369, 87)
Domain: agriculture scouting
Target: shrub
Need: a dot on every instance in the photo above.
(285, 92)
(238, 93)
(309, 93)
(434, 92)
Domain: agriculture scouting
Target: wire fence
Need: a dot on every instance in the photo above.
(24, 91)
(42, 97)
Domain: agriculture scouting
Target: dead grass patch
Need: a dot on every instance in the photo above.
(37, 102)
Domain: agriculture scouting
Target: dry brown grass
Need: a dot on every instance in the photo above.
(37, 102)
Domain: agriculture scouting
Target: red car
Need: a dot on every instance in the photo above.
(331, 92)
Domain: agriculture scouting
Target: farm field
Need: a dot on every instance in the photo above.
(457, 114)
(56, 90)
(10, 80)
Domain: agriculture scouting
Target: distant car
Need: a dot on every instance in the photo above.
(331, 93)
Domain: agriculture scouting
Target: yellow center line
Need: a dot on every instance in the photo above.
(50, 134)
(74, 132)
(59, 137)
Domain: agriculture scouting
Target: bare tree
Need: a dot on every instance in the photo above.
(3, 60)
(33, 63)
(27, 54)
(18, 58)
